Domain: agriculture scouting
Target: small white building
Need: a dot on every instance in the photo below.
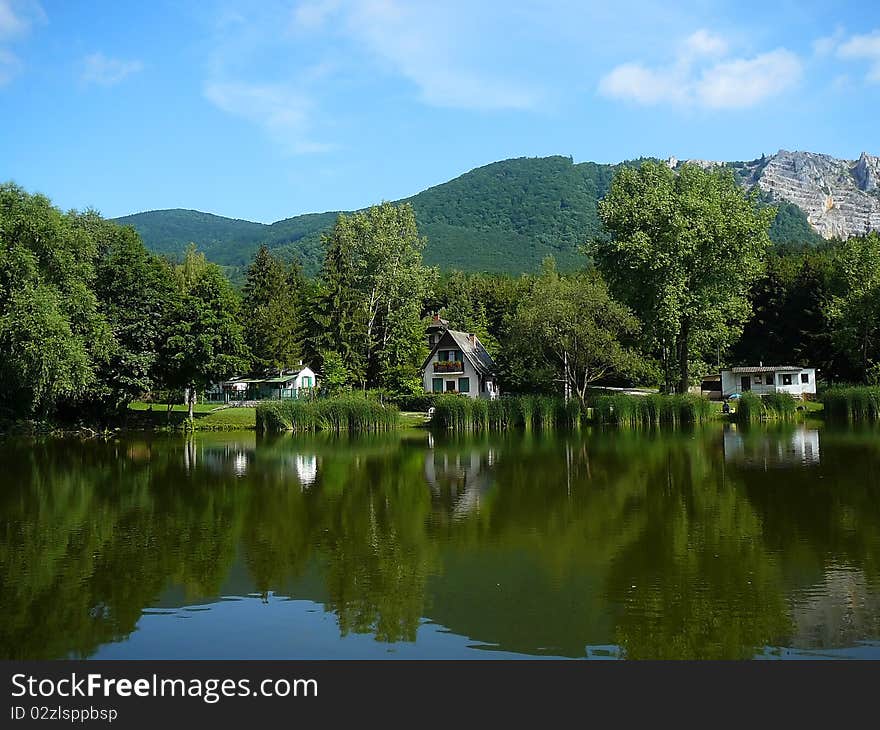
(766, 379)
(286, 384)
(459, 363)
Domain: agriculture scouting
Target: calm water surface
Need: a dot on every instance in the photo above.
(716, 543)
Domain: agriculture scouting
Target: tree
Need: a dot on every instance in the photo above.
(373, 286)
(683, 249)
(574, 323)
(464, 306)
(855, 314)
(135, 290)
(271, 312)
(53, 335)
(204, 341)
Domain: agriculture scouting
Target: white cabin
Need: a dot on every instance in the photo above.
(286, 384)
(766, 379)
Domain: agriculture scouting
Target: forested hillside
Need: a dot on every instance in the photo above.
(505, 217)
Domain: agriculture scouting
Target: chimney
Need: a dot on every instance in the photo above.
(436, 318)
(472, 338)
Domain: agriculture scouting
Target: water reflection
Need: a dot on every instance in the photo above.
(781, 448)
(602, 544)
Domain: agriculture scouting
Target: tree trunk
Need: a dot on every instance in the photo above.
(683, 376)
(190, 400)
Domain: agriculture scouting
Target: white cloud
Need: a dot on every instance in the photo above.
(705, 43)
(825, 46)
(863, 48)
(424, 43)
(18, 16)
(702, 75)
(645, 85)
(280, 110)
(104, 71)
(745, 82)
(16, 19)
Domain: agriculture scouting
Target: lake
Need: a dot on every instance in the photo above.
(712, 543)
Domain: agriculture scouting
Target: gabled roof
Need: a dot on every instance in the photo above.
(767, 368)
(475, 353)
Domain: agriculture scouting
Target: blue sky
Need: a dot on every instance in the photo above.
(264, 110)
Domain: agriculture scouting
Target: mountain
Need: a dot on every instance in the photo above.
(508, 216)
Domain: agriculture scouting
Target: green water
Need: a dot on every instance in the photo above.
(714, 543)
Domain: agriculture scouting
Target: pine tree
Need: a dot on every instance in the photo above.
(271, 312)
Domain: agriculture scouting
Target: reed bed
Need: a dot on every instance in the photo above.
(459, 413)
(852, 403)
(341, 413)
(651, 410)
(752, 408)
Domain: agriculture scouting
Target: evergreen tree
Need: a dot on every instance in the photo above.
(271, 312)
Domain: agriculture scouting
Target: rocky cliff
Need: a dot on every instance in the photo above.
(840, 198)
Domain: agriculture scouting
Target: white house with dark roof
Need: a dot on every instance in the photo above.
(459, 363)
(286, 384)
(766, 379)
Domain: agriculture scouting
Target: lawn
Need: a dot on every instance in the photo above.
(206, 416)
(163, 407)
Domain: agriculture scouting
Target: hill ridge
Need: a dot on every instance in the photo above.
(508, 215)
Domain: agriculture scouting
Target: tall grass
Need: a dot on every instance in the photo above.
(651, 410)
(460, 413)
(349, 412)
(852, 403)
(752, 408)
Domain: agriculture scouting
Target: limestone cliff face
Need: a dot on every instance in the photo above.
(841, 198)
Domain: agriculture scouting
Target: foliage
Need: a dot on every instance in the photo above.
(373, 286)
(855, 313)
(573, 323)
(204, 342)
(271, 312)
(53, 335)
(135, 290)
(684, 248)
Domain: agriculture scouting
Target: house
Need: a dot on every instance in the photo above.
(435, 329)
(459, 363)
(286, 384)
(765, 379)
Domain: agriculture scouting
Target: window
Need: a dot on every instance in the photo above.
(443, 354)
(450, 386)
(805, 377)
(786, 379)
(306, 381)
(464, 385)
(758, 379)
(437, 385)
